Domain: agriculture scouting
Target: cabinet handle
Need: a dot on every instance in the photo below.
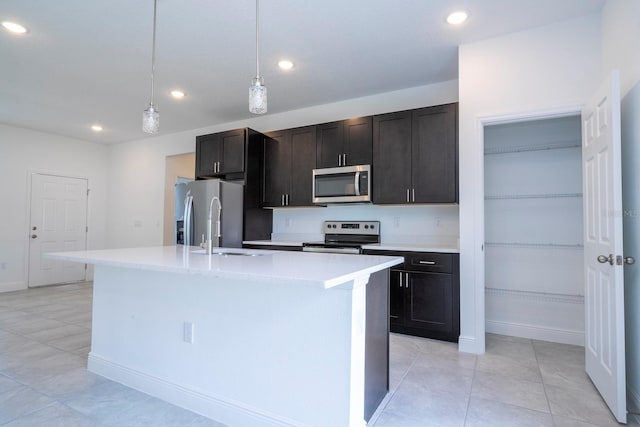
(344, 160)
(401, 274)
(282, 200)
(427, 262)
(413, 195)
(339, 160)
(407, 195)
(406, 280)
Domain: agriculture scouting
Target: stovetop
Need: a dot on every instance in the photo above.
(348, 234)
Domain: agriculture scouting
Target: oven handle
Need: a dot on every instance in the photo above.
(355, 251)
(357, 183)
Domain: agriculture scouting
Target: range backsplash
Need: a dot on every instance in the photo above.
(434, 224)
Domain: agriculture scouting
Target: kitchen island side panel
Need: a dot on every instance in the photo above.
(263, 353)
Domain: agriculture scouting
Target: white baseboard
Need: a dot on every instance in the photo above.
(468, 344)
(535, 332)
(12, 286)
(215, 407)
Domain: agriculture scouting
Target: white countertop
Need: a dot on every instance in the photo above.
(315, 269)
(405, 247)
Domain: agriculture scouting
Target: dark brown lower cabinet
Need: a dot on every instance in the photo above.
(424, 295)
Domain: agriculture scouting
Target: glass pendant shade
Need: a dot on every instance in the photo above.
(150, 120)
(257, 96)
(150, 116)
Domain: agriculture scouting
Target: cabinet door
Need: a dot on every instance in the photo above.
(396, 297)
(435, 154)
(330, 144)
(358, 141)
(232, 158)
(208, 152)
(277, 168)
(303, 161)
(391, 157)
(430, 302)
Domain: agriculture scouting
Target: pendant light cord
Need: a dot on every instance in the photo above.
(257, 39)
(153, 51)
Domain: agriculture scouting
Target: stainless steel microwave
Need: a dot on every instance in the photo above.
(347, 184)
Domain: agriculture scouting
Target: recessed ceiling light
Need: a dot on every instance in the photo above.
(14, 28)
(285, 64)
(457, 18)
(178, 94)
(96, 128)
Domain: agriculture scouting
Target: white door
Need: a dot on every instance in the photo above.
(58, 222)
(604, 293)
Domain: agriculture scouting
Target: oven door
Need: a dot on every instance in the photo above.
(349, 184)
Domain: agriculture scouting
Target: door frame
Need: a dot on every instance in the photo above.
(27, 215)
(476, 343)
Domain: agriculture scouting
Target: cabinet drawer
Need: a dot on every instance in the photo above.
(432, 262)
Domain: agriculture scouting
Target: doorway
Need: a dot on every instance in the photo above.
(58, 222)
(534, 282)
(178, 168)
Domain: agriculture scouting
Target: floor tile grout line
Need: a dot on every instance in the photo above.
(466, 412)
(544, 386)
(392, 393)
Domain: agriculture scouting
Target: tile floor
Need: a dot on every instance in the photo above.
(45, 336)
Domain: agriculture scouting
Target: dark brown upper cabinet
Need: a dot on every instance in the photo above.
(415, 156)
(221, 154)
(345, 143)
(290, 157)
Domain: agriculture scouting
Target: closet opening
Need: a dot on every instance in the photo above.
(534, 286)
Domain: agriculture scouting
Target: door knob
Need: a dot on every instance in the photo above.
(603, 258)
(629, 260)
(34, 236)
(34, 228)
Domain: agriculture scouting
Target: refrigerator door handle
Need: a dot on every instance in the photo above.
(185, 220)
(188, 221)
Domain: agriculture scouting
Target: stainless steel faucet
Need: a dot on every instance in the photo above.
(209, 248)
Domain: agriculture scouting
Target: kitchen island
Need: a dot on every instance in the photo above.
(245, 337)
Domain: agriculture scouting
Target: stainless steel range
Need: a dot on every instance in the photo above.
(346, 237)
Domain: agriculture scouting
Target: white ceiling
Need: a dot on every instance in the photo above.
(88, 61)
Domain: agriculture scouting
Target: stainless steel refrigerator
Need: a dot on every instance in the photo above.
(192, 203)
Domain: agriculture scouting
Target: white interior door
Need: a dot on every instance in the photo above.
(604, 280)
(58, 222)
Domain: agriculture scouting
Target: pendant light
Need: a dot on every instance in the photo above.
(257, 90)
(150, 116)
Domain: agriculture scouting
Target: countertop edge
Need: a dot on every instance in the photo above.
(85, 257)
(402, 247)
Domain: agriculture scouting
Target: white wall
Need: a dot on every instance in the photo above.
(551, 68)
(137, 168)
(25, 151)
(620, 38)
(431, 225)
